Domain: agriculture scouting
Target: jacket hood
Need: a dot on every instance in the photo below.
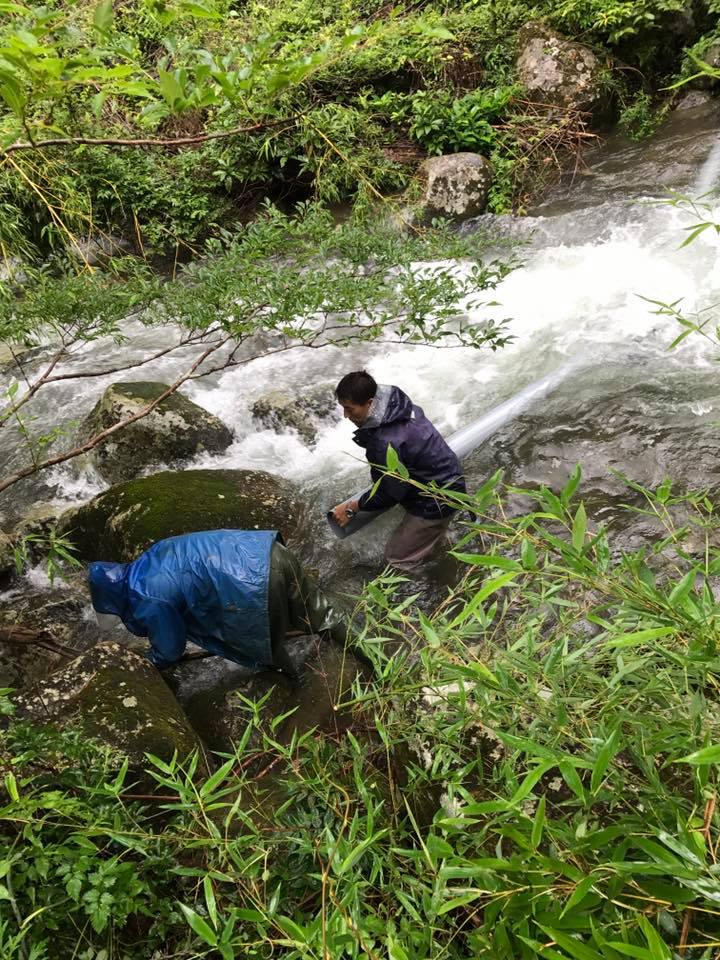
(390, 405)
(108, 587)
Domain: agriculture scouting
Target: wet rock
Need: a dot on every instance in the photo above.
(126, 519)
(282, 410)
(39, 519)
(7, 555)
(692, 99)
(40, 629)
(556, 71)
(176, 430)
(641, 425)
(455, 186)
(97, 250)
(221, 715)
(116, 698)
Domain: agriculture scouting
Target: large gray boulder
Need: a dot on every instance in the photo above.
(558, 72)
(115, 697)
(175, 431)
(455, 186)
(282, 410)
(126, 519)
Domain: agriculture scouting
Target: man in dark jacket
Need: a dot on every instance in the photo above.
(235, 593)
(385, 416)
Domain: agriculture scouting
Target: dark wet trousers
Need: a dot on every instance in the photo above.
(295, 603)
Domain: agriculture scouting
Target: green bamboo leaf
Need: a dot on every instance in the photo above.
(459, 901)
(210, 901)
(358, 851)
(605, 755)
(629, 950)
(486, 560)
(292, 929)
(103, 16)
(199, 926)
(538, 825)
(682, 589)
(528, 554)
(640, 636)
(571, 486)
(578, 894)
(658, 948)
(579, 528)
(701, 758)
(576, 948)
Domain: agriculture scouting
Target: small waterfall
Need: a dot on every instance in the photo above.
(709, 172)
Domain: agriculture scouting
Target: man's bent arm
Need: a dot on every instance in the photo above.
(167, 633)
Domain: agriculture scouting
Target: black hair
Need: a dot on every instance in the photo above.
(356, 387)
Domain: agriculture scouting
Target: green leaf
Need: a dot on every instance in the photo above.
(103, 16)
(485, 560)
(538, 824)
(576, 948)
(682, 589)
(528, 554)
(701, 758)
(292, 930)
(199, 926)
(579, 528)
(605, 755)
(459, 901)
(578, 894)
(658, 948)
(571, 486)
(358, 851)
(210, 901)
(391, 458)
(640, 636)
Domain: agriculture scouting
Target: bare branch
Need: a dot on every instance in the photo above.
(104, 434)
(148, 142)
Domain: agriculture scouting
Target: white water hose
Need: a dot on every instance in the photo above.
(469, 438)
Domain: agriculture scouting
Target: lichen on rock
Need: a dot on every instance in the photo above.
(558, 72)
(455, 186)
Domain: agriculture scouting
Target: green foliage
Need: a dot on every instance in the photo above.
(531, 773)
(58, 552)
(641, 118)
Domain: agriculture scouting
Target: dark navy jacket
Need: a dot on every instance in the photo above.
(396, 421)
(210, 588)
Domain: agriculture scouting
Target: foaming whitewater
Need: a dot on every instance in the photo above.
(707, 180)
(592, 260)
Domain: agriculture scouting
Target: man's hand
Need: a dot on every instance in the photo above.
(343, 512)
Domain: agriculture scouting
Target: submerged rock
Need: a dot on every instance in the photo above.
(116, 698)
(126, 519)
(175, 431)
(283, 410)
(455, 186)
(556, 71)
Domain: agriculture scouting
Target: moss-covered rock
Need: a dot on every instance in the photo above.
(116, 698)
(455, 186)
(557, 72)
(126, 519)
(176, 430)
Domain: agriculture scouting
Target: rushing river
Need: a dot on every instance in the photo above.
(591, 252)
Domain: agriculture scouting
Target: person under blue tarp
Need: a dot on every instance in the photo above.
(236, 593)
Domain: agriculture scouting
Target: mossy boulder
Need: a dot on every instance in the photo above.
(117, 698)
(557, 72)
(174, 432)
(455, 186)
(126, 519)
